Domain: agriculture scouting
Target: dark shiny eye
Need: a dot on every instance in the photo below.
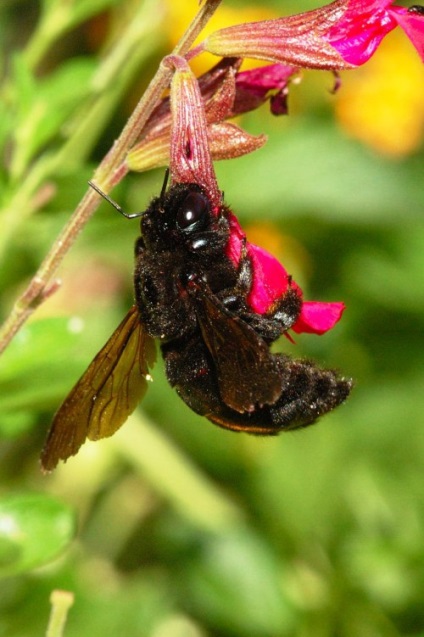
(193, 209)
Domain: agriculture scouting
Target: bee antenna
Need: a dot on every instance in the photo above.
(113, 203)
(164, 185)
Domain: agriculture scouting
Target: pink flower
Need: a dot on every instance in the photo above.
(364, 24)
(271, 281)
(341, 35)
(225, 93)
(253, 87)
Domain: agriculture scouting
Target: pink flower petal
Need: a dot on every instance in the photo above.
(270, 282)
(412, 24)
(317, 317)
(254, 87)
(270, 279)
(235, 242)
(359, 32)
(265, 78)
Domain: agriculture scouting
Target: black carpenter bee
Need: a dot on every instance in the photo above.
(192, 297)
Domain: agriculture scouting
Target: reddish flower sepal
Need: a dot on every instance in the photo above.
(271, 281)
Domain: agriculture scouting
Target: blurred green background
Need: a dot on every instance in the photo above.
(175, 528)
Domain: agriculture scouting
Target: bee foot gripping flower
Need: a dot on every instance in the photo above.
(271, 281)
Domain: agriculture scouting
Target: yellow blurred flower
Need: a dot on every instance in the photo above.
(282, 246)
(382, 104)
(181, 13)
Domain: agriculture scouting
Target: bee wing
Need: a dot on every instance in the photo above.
(105, 395)
(247, 373)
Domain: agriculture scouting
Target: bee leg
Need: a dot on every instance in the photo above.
(279, 318)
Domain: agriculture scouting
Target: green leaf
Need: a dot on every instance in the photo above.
(16, 423)
(237, 584)
(393, 276)
(34, 529)
(76, 11)
(39, 367)
(43, 113)
(313, 169)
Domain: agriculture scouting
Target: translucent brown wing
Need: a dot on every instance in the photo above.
(106, 394)
(248, 376)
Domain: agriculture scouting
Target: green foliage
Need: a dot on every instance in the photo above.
(26, 381)
(44, 106)
(34, 529)
(186, 529)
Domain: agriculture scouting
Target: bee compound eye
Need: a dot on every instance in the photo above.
(193, 209)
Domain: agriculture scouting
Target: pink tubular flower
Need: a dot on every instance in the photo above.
(271, 281)
(341, 35)
(225, 93)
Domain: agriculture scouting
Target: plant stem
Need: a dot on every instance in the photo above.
(61, 602)
(191, 492)
(109, 173)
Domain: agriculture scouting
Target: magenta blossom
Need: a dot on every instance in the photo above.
(364, 24)
(341, 35)
(271, 281)
(253, 87)
(225, 93)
